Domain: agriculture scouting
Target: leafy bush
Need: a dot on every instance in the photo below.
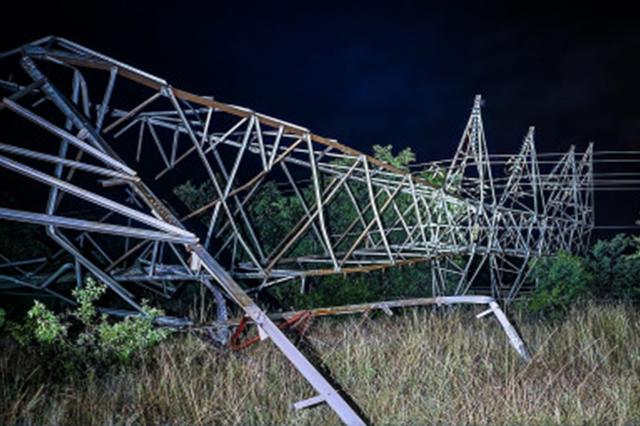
(128, 338)
(82, 338)
(560, 281)
(46, 326)
(615, 266)
(611, 270)
(2, 317)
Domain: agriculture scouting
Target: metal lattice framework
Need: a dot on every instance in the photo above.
(79, 120)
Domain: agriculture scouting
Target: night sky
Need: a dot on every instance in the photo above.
(396, 73)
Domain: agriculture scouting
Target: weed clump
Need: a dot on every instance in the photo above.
(82, 339)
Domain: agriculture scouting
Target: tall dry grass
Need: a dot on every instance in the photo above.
(419, 368)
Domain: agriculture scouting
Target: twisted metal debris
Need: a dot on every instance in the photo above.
(80, 121)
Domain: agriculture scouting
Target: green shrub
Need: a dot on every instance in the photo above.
(561, 281)
(41, 327)
(131, 336)
(82, 338)
(610, 270)
(46, 326)
(86, 297)
(615, 266)
(2, 317)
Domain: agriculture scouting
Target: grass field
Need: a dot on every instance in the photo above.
(417, 368)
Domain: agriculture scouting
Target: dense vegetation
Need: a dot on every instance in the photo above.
(610, 271)
(80, 340)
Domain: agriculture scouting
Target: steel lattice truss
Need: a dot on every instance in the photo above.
(80, 121)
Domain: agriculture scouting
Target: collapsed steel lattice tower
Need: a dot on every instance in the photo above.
(80, 120)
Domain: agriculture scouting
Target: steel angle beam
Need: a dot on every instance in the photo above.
(99, 227)
(330, 394)
(492, 308)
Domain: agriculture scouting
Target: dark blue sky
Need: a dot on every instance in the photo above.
(402, 73)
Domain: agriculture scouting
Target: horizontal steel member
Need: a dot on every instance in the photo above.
(514, 338)
(84, 225)
(91, 197)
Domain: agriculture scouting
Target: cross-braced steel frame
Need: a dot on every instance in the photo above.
(79, 120)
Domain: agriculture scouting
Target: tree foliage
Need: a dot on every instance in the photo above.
(560, 281)
(195, 196)
(275, 215)
(615, 266)
(609, 271)
(400, 161)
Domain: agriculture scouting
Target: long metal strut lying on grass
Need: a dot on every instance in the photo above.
(493, 308)
(77, 122)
